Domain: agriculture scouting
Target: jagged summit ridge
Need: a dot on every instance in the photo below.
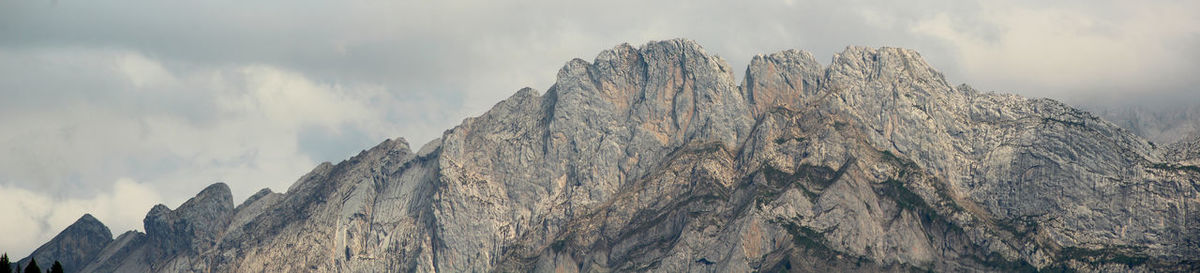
(653, 159)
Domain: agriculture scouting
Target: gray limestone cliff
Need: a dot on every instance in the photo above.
(654, 159)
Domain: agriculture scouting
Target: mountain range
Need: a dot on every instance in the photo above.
(653, 158)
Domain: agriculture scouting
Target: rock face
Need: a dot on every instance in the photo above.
(75, 246)
(174, 239)
(1185, 152)
(654, 159)
(194, 227)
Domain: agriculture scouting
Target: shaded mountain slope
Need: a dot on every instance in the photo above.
(75, 246)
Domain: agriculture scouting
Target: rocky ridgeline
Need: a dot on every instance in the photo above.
(654, 159)
(77, 244)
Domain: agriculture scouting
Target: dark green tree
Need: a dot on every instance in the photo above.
(5, 265)
(32, 267)
(56, 268)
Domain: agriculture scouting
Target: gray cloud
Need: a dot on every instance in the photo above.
(106, 100)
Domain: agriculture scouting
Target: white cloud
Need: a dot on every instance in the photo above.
(1072, 50)
(42, 216)
(142, 72)
(288, 97)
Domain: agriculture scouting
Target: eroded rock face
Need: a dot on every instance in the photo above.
(786, 78)
(193, 227)
(1186, 151)
(654, 159)
(75, 246)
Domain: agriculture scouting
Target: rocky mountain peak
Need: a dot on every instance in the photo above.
(216, 195)
(194, 225)
(864, 64)
(89, 223)
(75, 246)
(785, 78)
(672, 88)
(254, 197)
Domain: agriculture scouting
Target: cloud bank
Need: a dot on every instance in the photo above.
(109, 107)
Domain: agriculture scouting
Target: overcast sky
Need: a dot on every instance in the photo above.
(110, 107)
